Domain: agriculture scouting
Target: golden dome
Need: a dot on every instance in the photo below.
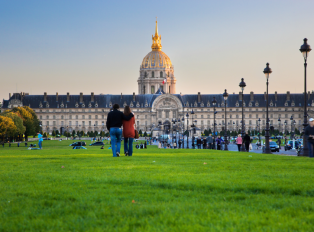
(156, 58)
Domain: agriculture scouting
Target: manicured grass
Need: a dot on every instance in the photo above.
(155, 190)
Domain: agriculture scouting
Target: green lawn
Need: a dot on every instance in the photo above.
(155, 190)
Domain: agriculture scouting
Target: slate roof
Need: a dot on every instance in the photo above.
(146, 100)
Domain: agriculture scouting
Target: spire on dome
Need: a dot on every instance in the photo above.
(156, 46)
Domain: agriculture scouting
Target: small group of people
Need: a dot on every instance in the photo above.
(115, 120)
(141, 146)
(246, 141)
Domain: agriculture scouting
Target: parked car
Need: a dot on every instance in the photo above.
(273, 146)
(47, 139)
(289, 145)
(81, 143)
(97, 144)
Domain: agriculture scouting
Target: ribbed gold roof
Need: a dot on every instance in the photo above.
(156, 58)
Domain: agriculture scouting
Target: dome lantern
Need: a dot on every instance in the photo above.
(156, 46)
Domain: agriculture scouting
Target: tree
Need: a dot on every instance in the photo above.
(27, 121)
(73, 133)
(145, 134)
(57, 132)
(140, 133)
(53, 133)
(7, 127)
(45, 135)
(18, 122)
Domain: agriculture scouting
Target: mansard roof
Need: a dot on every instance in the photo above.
(146, 100)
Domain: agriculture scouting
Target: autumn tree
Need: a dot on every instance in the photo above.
(18, 121)
(7, 127)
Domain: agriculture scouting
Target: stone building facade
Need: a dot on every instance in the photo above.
(157, 103)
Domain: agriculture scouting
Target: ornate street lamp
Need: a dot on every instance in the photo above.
(305, 49)
(267, 71)
(173, 123)
(242, 86)
(214, 102)
(225, 95)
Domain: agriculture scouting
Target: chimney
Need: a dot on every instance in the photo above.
(251, 96)
(45, 96)
(133, 96)
(199, 97)
(121, 95)
(276, 96)
(288, 95)
(81, 97)
(57, 96)
(9, 95)
(240, 96)
(265, 96)
(92, 98)
(308, 95)
(68, 96)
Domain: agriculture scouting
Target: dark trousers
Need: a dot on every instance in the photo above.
(239, 147)
(311, 149)
(247, 146)
(218, 146)
(204, 146)
(199, 146)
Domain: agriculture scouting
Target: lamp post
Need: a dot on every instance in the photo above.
(179, 123)
(225, 95)
(183, 131)
(259, 130)
(267, 71)
(214, 102)
(67, 131)
(279, 123)
(242, 86)
(187, 128)
(173, 123)
(292, 133)
(305, 49)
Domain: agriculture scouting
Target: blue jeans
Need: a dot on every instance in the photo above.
(39, 144)
(115, 135)
(311, 149)
(128, 146)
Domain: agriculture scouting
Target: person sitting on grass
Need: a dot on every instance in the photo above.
(141, 146)
(102, 147)
(137, 146)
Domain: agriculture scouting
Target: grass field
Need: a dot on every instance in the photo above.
(155, 190)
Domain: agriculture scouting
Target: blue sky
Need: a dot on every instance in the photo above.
(98, 46)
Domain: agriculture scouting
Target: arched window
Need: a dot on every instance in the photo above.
(160, 74)
(153, 74)
(152, 89)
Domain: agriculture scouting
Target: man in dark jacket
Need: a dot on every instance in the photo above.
(247, 141)
(114, 123)
(204, 143)
(210, 141)
(309, 134)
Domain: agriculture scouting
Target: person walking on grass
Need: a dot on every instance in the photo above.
(309, 134)
(128, 132)
(247, 141)
(113, 124)
(40, 137)
(239, 142)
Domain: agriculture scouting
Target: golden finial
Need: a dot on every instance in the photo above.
(156, 46)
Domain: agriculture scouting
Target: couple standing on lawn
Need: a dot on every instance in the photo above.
(115, 120)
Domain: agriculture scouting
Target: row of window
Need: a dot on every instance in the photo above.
(76, 123)
(71, 117)
(161, 74)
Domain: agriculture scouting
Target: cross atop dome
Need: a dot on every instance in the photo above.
(156, 46)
